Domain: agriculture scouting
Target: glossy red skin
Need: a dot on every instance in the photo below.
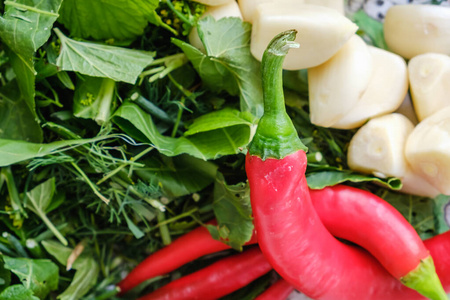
(369, 221)
(216, 280)
(300, 248)
(184, 249)
(439, 247)
(280, 290)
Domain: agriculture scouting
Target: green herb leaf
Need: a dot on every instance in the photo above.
(332, 176)
(220, 119)
(107, 19)
(26, 26)
(17, 121)
(97, 60)
(38, 275)
(441, 203)
(12, 151)
(87, 270)
(228, 64)
(233, 213)
(5, 276)
(177, 176)
(205, 145)
(17, 291)
(39, 199)
(94, 99)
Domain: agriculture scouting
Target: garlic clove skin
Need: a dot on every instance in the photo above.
(378, 146)
(322, 32)
(410, 30)
(248, 7)
(429, 76)
(336, 86)
(387, 88)
(230, 9)
(428, 150)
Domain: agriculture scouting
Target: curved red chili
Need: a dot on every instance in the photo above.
(216, 280)
(367, 220)
(290, 233)
(184, 249)
(279, 290)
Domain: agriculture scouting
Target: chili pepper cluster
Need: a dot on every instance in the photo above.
(296, 229)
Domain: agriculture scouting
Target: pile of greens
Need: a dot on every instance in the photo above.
(117, 136)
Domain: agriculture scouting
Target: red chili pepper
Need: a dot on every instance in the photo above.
(367, 220)
(217, 280)
(280, 290)
(184, 249)
(290, 233)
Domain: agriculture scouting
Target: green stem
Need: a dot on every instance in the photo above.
(53, 229)
(163, 229)
(275, 136)
(177, 122)
(424, 280)
(90, 183)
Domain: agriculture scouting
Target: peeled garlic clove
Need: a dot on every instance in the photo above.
(230, 9)
(387, 88)
(429, 76)
(322, 32)
(428, 150)
(336, 86)
(414, 184)
(248, 7)
(378, 146)
(410, 30)
(214, 2)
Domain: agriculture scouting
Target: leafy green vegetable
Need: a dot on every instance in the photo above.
(101, 60)
(178, 176)
(205, 145)
(17, 121)
(87, 270)
(233, 212)
(38, 275)
(332, 176)
(94, 99)
(371, 28)
(26, 26)
(39, 200)
(110, 19)
(227, 57)
(17, 291)
(5, 277)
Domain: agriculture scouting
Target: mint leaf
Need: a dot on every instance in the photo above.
(233, 213)
(205, 145)
(228, 64)
(38, 275)
(97, 60)
(87, 270)
(17, 291)
(107, 19)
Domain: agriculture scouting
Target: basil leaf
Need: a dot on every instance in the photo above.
(38, 275)
(89, 59)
